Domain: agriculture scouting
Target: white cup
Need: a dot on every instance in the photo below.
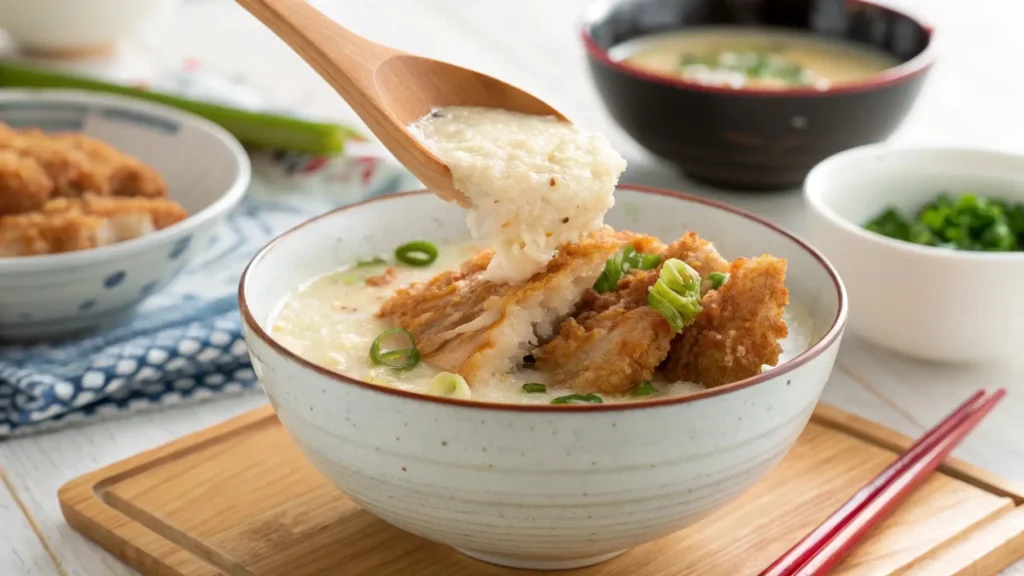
(75, 28)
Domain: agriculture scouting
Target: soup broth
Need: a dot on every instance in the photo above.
(331, 322)
(754, 57)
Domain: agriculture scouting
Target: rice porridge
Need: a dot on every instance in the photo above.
(331, 321)
(535, 182)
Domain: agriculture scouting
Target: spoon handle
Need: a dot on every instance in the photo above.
(346, 60)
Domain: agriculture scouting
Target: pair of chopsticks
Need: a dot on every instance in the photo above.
(825, 547)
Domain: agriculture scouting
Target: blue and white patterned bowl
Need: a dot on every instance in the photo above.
(207, 172)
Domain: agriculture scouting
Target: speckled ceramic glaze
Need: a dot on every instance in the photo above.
(207, 172)
(537, 486)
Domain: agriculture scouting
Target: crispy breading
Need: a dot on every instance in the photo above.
(479, 329)
(700, 255)
(610, 352)
(35, 234)
(615, 340)
(69, 169)
(24, 185)
(125, 175)
(632, 287)
(160, 211)
(738, 331)
(69, 224)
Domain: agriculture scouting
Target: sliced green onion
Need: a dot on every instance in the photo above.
(623, 261)
(375, 261)
(717, 279)
(534, 388)
(676, 294)
(578, 399)
(450, 386)
(401, 359)
(646, 261)
(644, 389)
(417, 253)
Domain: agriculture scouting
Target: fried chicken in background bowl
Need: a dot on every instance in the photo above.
(104, 199)
(554, 485)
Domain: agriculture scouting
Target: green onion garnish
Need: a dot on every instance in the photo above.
(534, 388)
(717, 279)
(676, 294)
(644, 389)
(622, 262)
(375, 261)
(578, 399)
(450, 386)
(402, 359)
(417, 253)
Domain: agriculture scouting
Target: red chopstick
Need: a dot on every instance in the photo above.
(825, 546)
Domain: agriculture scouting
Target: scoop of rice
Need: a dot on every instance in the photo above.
(535, 182)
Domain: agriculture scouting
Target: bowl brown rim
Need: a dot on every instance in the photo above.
(902, 72)
(824, 343)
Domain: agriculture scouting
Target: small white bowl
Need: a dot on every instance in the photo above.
(537, 486)
(207, 172)
(64, 28)
(930, 303)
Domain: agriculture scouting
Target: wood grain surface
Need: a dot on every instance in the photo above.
(240, 498)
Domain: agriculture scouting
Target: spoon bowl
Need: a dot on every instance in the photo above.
(390, 89)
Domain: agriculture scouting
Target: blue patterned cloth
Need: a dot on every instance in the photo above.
(185, 343)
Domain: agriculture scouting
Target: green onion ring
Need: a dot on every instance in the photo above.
(417, 253)
(402, 359)
(534, 388)
(676, 294)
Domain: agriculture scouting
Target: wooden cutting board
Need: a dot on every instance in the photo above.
(240, 499)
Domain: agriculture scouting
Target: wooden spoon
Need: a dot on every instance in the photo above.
(390, 89)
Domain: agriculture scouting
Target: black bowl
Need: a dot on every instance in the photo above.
(749, 138)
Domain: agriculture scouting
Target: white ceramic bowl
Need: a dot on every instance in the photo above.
(537, 486)
(207, 172)
(925, 302)
(75, 27)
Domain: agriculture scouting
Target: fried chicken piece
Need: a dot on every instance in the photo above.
(610, 352)
(700, 255)
(156, 213)
(35, 234)
(632, 286)
(125, 175)
(69, 224)
(70, 170)
(479, 329)
(616, 340)
(24, 185)
(738, 331)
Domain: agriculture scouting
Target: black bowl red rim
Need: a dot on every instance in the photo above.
(916, 66)
(817, 349)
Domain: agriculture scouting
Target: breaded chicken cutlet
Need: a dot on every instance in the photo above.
(69, 224)
(614, 340)
(65, 192)
(738, 330)
(610, 342)
(36, 167)
(477, 328)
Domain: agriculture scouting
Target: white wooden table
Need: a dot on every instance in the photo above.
(974, 97)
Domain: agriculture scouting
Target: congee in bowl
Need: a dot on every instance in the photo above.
(579, 372)
(495, 467)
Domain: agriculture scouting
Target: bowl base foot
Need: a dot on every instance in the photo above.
(538, 564)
